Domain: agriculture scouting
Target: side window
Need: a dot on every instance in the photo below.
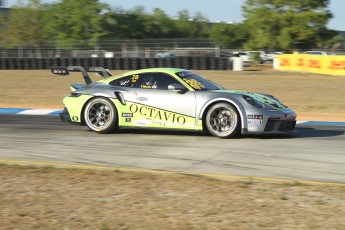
(156, 81)
(128, 81)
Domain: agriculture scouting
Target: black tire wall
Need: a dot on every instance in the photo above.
(192, 62)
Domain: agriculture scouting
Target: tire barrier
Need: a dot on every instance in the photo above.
(185, 62)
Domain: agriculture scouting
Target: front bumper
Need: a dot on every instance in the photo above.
(271, 122)
(279, 126)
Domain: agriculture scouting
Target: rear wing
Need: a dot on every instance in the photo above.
(63, 70)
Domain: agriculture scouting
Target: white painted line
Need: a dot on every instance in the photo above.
(324, 123)
(37, 111)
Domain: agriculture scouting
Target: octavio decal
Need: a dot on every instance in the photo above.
(157, 114)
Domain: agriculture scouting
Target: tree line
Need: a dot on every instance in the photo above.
(268, 24)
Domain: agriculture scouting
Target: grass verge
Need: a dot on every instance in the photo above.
(51, 198)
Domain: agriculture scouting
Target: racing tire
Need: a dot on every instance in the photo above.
(223, 121)
(100, 115)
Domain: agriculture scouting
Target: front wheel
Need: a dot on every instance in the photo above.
(222, 120)
(100, 115)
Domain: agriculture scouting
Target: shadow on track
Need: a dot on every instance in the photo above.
(319, 132)
(301, 132)
(149, 131)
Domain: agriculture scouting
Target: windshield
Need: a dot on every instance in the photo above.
(198, 82)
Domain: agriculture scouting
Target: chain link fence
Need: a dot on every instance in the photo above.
(143, 48)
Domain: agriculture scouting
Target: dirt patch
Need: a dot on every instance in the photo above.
(50, 198)
(312, 96)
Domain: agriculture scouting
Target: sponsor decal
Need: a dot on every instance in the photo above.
(141, 123)
(135, 78)
(337, 65)
(157, 115)
(255, 122)
(59, 71)
(127, 114)
(149, 86)
(75, 118)
(124, 82)
(194, 83)
(315, 64)
(257, 117)
(128, 119)
(300, 62)
(156, 122)
(285, 62)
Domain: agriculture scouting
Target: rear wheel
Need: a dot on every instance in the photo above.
(222, 120)
(100, 115)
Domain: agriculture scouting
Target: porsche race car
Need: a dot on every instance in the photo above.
(170, 98)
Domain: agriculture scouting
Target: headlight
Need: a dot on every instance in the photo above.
(252, 101)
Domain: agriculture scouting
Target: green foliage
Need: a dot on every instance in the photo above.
(229, 35)
(24, 25)
(71, 23)
(192, 27)
(269, 24)
(285, 24)
(136, 24)
(331, 40)
(2, 26)
(161, 25)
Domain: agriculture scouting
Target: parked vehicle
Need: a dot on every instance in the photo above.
(314, 52)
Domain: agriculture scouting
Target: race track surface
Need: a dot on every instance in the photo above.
(315, 153)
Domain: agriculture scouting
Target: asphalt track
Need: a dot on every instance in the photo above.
(313, 153)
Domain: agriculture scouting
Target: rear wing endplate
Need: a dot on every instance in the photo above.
(63, 70)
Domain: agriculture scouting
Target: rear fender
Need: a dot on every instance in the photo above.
(115, 101)
(74, 105)
(75, 87)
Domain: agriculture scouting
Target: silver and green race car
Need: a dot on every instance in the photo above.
(170, 98)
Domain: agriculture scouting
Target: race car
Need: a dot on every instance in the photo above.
(170, 98)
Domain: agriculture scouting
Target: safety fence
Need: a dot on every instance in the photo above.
(322, 64)
(200, 63)
(115, 48)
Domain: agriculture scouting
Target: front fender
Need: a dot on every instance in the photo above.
(233, 102)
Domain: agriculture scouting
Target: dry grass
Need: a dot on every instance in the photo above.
(48, 198)
(312, 96)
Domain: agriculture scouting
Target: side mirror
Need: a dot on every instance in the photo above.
(180, 88)
(175, 86)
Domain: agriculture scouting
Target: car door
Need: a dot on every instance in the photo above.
(159, 105)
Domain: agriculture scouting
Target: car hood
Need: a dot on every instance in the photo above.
(263, 98)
